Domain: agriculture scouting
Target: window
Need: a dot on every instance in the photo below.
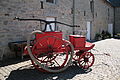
(84, 13)
(92, 6)
(50, 1)
(41, 4)
(108, 13)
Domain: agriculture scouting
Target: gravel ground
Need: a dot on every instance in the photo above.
(106, 66)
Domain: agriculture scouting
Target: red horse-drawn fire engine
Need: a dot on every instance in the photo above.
(49, 52)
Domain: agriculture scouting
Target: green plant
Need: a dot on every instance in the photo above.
(105, 34)
(118, 34)
(108, 35)
(97, 36)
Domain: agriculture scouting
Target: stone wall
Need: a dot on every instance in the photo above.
(13, 30)
(117, 20)
(103, 15)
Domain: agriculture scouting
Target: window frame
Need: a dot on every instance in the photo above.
(53, 2)
(55, 25)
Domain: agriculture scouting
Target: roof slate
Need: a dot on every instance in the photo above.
(115, 3)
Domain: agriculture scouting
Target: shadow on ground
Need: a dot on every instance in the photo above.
(12, 61)
(33, 74)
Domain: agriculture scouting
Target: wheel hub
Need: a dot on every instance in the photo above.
(86, 59)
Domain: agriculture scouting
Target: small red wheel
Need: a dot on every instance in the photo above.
(76, 55)
(86, 60)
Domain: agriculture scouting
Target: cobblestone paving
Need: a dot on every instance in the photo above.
(105, 67)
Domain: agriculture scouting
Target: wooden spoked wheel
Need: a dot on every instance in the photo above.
(76, 55)
(50, 54)
(86, 60)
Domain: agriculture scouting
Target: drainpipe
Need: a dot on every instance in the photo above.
(114, 24)
(73, 9)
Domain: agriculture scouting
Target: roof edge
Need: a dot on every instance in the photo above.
(108, 2)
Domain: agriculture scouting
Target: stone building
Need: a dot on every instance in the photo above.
(92, 16)
(116, 5)
(117, 20)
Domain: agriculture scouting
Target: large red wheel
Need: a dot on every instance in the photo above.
(50, 54)
(37, 67)
(86, 60)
